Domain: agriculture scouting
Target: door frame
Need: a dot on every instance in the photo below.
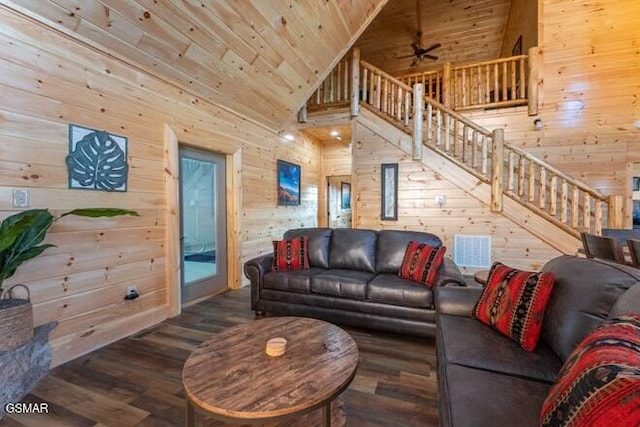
(233, 163)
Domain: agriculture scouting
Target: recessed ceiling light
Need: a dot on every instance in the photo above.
(288, 137)
(334, 133)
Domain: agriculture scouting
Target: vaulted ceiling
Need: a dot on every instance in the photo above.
(469, 31)
(259, 58)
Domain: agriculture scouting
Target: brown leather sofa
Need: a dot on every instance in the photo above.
(485, 379)
(353, 280)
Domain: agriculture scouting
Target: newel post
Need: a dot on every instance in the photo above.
(355, 82)
(497, 170)
(533, 68)
(615, 213)
(446, 84)
(418, 113)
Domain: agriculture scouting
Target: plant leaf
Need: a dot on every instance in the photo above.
(98, 212)
(30, 227)
(11, 228)
(20, 235)
(7, 270)
(98, 162)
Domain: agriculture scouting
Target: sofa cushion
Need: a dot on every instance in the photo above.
(513, 303)
(294, 281)
(353, 249)
(290, 255)
(465, 341)
(628, 303)
(583, 295)
(421, 263)
(319, 239)
(599, 383)
(342, 283)
(392, 246)
(391, 289)
(478, 398)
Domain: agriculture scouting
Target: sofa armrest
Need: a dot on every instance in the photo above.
(457, 301)
(449, 274)
(254, 270)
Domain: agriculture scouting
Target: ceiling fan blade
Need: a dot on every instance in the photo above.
(413, 64)
(435, 58)
(406, 56)
(416, 48)
(430, 48)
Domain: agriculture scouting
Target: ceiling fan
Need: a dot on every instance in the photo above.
(420, 53)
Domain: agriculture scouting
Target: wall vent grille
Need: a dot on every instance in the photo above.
(472, 251)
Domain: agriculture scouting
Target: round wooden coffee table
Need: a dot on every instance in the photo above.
(230, 376)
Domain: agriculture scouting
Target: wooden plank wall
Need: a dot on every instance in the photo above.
(48, 81)
(591, 67)
(418, 186)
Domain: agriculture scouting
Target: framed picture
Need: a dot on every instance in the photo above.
(288, 184)
(345, 195)
(389, 200)
(517, 47)
(97, 160)
(636, 183)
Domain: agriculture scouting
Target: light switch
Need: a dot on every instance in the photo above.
(440, 200)
(20, 198)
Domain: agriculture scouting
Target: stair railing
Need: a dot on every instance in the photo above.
(385, 94)
(431, 80)
(561, 199)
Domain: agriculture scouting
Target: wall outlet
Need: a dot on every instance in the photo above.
(132, 293)
(21, 198)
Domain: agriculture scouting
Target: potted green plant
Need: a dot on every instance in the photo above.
(21, 237)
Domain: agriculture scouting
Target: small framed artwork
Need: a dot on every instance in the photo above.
(97, 160)
(389, 200)
(345, 195)
(288, 184)
(517, 47)
(636, 183)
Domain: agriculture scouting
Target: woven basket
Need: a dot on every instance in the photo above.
(16, 319)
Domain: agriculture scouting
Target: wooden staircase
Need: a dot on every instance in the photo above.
(532, 193)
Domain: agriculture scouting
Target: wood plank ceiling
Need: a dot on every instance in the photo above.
(259, 58)
(469, 31)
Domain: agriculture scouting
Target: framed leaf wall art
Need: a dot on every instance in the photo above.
(97, 160)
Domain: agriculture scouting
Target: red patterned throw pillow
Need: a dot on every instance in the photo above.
(291, 254)
(513, 303)
(421, 263)
(599, 383)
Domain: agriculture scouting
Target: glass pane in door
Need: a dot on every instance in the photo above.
(202, 199)
(199, 219)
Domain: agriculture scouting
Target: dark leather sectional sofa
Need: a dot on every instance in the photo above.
(485, 379)
(353, 280)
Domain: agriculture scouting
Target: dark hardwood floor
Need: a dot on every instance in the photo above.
(137, 381)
